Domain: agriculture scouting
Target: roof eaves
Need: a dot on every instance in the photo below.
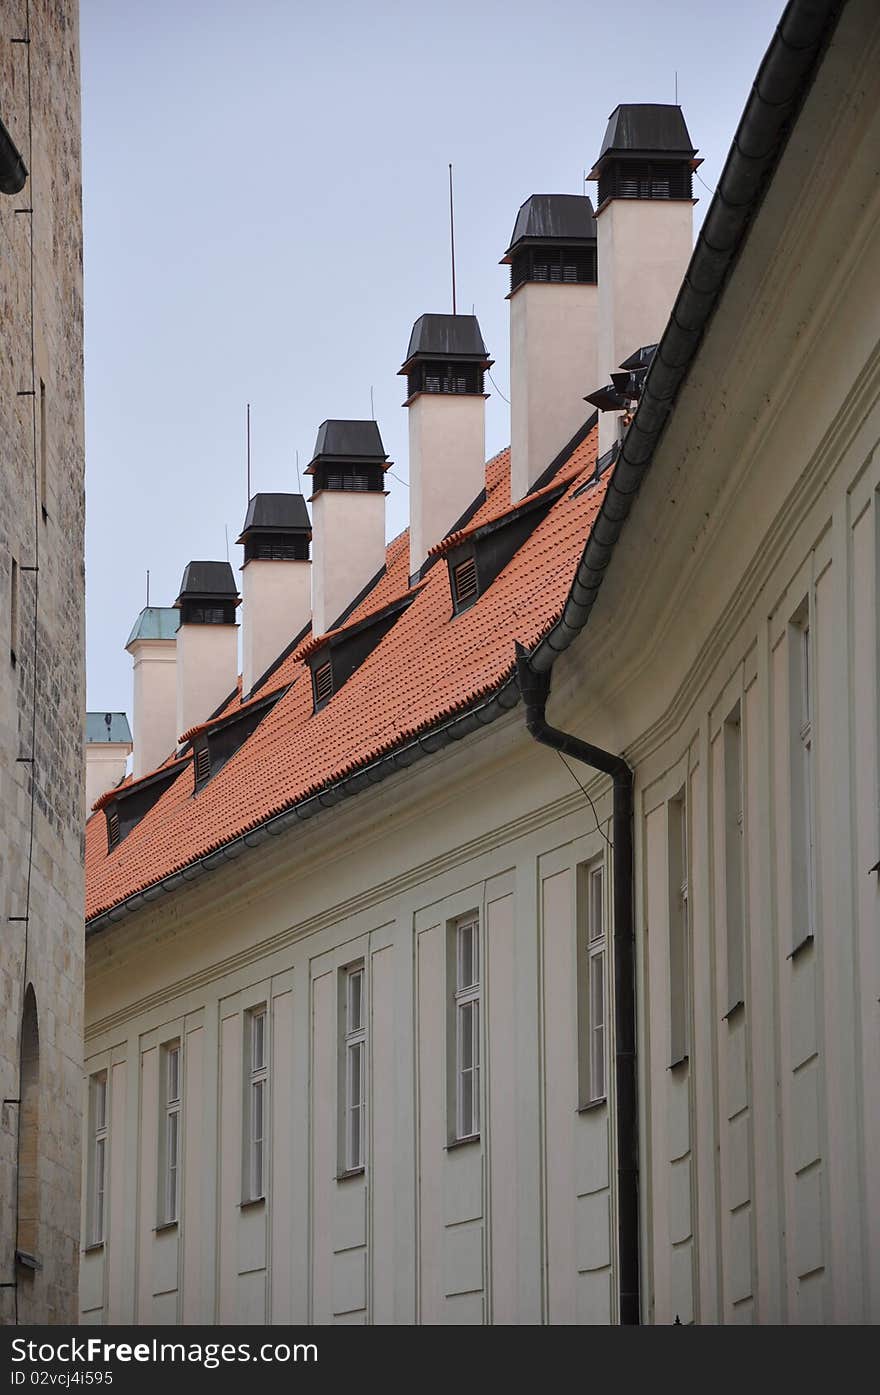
(500, 700)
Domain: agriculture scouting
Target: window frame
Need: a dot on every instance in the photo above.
(592, 924)
(14, 609)
(734, 856)
(99, 1147)
(254, 1181)
(353, 1047)
(170, 1126)
(467, 1007)
(801, 638)
(679, 928)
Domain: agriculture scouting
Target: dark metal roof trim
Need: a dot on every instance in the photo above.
(446, 336)
(355, 441)
(639, 128)
(276, 513)
(777, 94)
(207, 580)
(560, 218)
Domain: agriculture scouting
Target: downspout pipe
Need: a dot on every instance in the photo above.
(535, 689)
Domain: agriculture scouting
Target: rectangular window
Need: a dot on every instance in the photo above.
(467, 1028)
(679, 930)
(13, 613)
(257, 1100)
(803, 853)
(44, 458)
(170, 1134)
(355, 1069)
(100, 1126)
(733, 858)
(591, 947)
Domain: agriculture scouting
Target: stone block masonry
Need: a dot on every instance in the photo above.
(41, 657)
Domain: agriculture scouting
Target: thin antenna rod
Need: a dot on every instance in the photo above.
(148, 588)
(248, 456)
(676, 87)
(226, 533)
(452, 235)
(298, 480)
(372, 408)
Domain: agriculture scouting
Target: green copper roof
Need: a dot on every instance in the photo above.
(108, 726)
(155, 622)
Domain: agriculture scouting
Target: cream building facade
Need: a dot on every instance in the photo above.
(42, 681)
(379, 1068)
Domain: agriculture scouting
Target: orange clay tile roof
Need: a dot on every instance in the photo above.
(429, 666)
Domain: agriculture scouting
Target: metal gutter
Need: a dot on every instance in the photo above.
(778, 92)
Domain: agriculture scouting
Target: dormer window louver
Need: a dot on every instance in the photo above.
(322, 681)
(464, 577)
(112, 830)
(202, 765)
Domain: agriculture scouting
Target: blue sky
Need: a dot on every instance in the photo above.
(266, 214)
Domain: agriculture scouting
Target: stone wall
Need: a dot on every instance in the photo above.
(41, 744)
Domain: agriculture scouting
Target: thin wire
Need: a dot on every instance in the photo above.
(703, 182)
(586, 794)
(496, 387)
(397, 477)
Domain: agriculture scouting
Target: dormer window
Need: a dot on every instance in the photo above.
(336, 656)
(215, 745)
(480, 556)
(126, 806)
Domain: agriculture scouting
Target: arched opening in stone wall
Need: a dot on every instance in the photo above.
(29, 1130)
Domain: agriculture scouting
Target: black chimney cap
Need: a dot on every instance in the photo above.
(455, 337)
(559, 218)
(276, 513)
(349, 442)
(207, 581)
(637, 130)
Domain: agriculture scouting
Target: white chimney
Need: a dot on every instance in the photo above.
(207, 642)
(152, 645)
(348, 516)
(444, 367)
(645, 234)
(276, 581)
(108, 746)
(553, 330)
